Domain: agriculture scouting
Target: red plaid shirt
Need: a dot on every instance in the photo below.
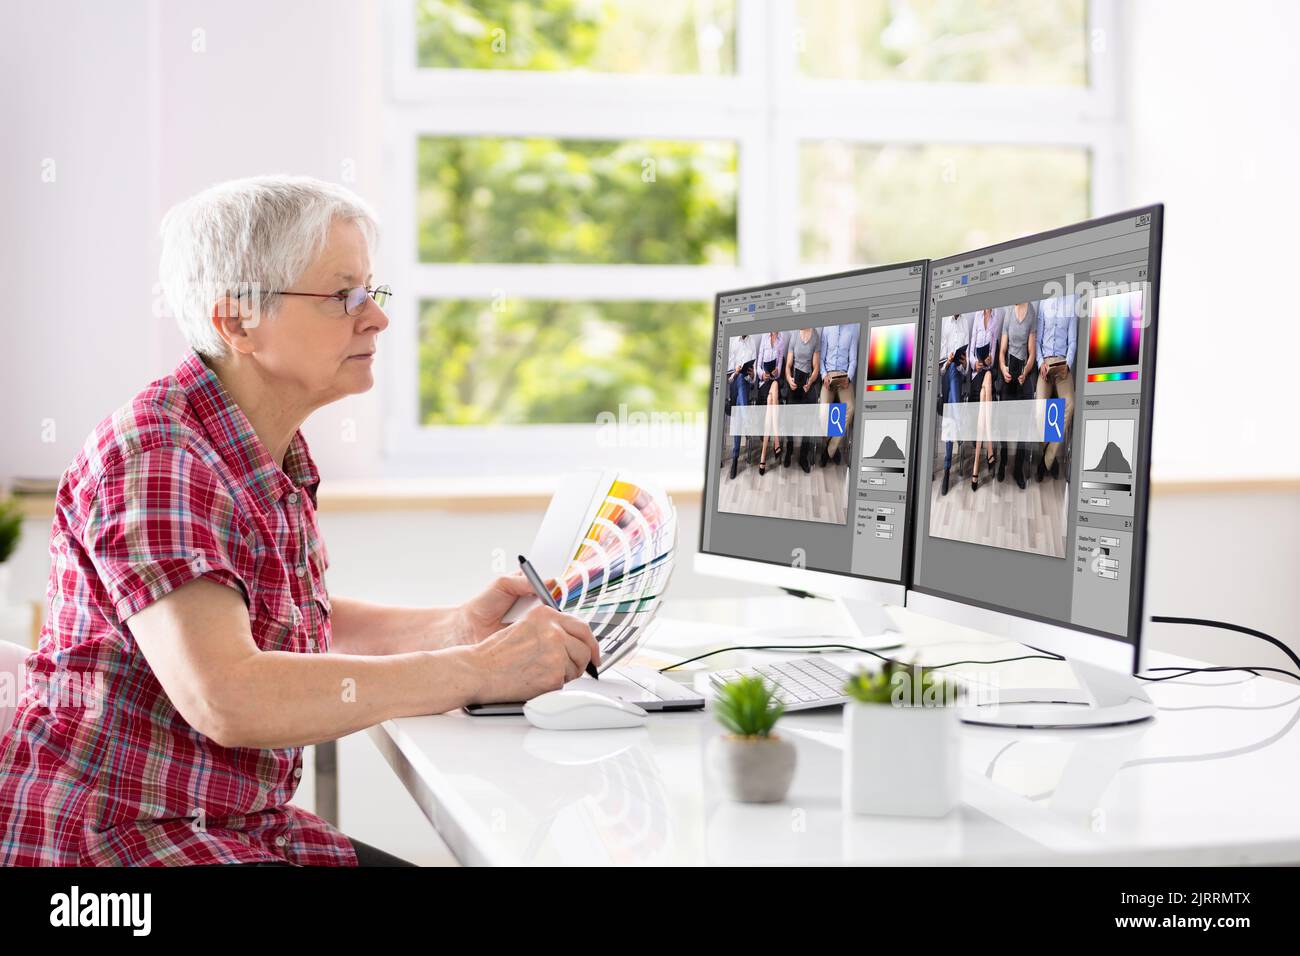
(98, 767)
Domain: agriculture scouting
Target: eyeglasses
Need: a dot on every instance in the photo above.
(354, 299)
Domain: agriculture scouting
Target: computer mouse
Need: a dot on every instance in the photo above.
(581, 710)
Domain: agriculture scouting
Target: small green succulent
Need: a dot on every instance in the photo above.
(746, 707)
(902, 684)
(11, 528)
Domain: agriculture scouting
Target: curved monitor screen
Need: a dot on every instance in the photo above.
(1035, 425)
(810, 422)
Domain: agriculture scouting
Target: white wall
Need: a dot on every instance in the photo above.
(139, 104)
(1244, 571)
(1214, 134)
(77, 186)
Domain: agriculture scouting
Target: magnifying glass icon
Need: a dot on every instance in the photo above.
(1053, 420)
(836, 423)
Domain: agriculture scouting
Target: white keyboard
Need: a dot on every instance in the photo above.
(800, 684)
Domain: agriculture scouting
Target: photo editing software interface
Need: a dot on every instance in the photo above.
(1034, 424)
(810, 422)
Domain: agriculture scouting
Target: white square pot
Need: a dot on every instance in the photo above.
(901, 761)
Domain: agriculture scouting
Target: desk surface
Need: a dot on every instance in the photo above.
(1212, 780)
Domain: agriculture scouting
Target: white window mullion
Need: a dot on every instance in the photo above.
(754, 210)
(400, 50)
(784, 41)
(579, 283)
(400, 401)
(935, 113)
(1110, 192)
(1106, 59)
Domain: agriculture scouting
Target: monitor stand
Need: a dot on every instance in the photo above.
(869, 625)
(1103, 698)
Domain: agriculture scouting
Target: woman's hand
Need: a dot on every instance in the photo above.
(540, 652)
(480, 616)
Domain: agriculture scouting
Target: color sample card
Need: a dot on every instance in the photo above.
(617, 577)
(890, 352)
(1115, 331)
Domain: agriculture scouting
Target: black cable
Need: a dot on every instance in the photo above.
(771, 647)
(1043, 655)
(1055, 658)
(1184, 671)
(849, 647)
(1203, 622)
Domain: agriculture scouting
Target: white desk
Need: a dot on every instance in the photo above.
(1212, 780)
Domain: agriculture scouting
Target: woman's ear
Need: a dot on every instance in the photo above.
(233, 316)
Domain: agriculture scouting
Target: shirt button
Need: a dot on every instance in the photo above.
(300, 570)
(311, 642)
(297, 773)
(293, 497)
(280, 841)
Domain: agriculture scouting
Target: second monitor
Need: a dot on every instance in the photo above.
(811, 433)
(1034, 455)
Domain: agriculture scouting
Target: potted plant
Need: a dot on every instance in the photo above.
(901, 742)
(11, 529)
(754, 764)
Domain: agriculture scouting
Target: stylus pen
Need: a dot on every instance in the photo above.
(535, 580)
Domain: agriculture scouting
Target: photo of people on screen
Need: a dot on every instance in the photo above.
(787, 417)
(998, 370)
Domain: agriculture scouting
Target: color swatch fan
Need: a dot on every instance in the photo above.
(616, 579)
(609, 542)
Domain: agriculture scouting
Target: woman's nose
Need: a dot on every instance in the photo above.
(374, 317)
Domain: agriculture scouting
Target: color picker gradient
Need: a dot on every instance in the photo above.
(890, 352)
(1115, 331)
(890, 387)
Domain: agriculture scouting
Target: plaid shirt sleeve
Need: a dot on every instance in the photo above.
(162, 518)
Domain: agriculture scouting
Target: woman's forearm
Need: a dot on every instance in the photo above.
(280, 699)
(360, 627)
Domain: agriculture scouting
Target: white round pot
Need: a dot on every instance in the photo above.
(753, 769)
(901, 761)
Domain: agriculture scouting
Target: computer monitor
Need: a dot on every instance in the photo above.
(1045, 543)
(831, 514)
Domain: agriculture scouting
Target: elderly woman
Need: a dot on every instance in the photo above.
(189, 574)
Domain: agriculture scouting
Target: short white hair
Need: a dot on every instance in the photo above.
(255, 234)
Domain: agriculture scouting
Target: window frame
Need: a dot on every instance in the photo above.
(766, 108)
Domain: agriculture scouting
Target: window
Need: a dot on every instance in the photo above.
(579, 201)
(522, 362)
(612, 36)
(1011, 42)
(969, 202)
(571, 181)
